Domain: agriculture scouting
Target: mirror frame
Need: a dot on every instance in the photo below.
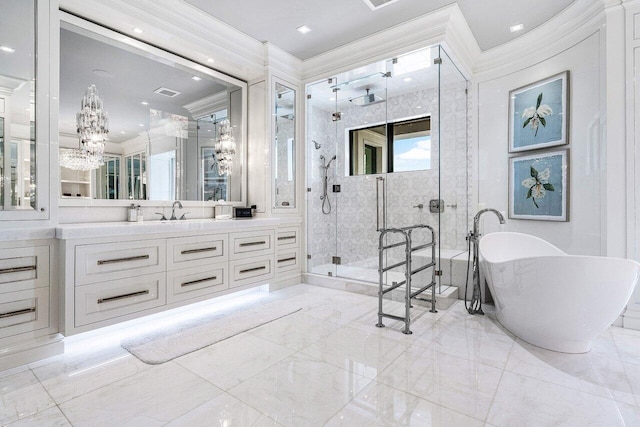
(67, 18)
(298, 148)
(46, 102)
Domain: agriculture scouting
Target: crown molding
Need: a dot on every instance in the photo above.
(282, 63)
(207, 105)
(572, 25)
(426, 30)
(179, 27)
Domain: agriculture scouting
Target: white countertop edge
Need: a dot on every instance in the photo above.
(36, 233)
(105, 229)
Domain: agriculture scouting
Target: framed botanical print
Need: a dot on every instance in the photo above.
(539, 186)
(539, 114)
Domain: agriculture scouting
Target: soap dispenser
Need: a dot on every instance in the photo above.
(139, 217)
(133, 213)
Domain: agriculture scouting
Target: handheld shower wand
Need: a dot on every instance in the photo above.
(475, 305)
(326, 203)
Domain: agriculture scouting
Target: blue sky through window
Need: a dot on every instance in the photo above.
(412, 154)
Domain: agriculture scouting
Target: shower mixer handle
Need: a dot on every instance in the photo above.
(419, 206)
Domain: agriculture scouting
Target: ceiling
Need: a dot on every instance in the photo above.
(338, 22)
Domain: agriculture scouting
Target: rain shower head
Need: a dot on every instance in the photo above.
(316, 144)
(369, 99)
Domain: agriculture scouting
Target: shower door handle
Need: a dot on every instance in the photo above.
(381, 180)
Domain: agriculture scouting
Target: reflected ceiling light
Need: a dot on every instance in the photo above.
(138, 30)
(225, 148)
(516, 28)
(210, 60)
(7, 49)
(92, 127)
(141, 124)
(407, 79)
(332, 99)
(303, 29)
(196, 78)
(122, 132)
(144, 103)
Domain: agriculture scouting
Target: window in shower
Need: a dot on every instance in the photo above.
(398, 146)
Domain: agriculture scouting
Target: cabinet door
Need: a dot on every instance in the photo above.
(256, 270)
(118, 298)
(196, 282)
(251, 244)
(185, 252)
(24, 268)
(24, 311)
(108, 261)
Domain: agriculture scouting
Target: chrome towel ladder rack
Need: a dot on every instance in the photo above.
(405, 232)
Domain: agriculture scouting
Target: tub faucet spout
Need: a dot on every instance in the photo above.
(476, 221)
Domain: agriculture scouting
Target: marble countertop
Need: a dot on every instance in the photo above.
(35, 233)
(102, 229)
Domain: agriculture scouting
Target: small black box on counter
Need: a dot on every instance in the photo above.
(243, 213)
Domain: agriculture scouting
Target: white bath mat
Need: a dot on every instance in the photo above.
(189, 336)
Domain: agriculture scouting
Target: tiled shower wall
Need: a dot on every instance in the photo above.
(349, 231)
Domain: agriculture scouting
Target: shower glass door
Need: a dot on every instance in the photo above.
(387, 148)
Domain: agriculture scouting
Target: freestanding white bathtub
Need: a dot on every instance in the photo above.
(550, 299)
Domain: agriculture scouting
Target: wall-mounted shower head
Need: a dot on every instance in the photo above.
(316, 144)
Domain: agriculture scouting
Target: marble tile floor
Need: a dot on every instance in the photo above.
(329, 365)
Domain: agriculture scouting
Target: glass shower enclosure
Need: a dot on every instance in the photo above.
(387, 146)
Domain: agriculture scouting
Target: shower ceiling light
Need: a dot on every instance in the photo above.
(303, 29)
(412, 62)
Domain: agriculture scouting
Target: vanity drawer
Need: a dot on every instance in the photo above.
(184, 252)
(24, 311)
(251, 244)
(102, 301)
(245, 272)
(195, 282)
(109, 261)
(288, 237)
(287, 260)
(24, 268)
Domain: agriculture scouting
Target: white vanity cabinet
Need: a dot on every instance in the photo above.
(128, 271)
(28, 302)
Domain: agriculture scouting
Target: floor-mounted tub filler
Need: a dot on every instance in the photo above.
(550, 299)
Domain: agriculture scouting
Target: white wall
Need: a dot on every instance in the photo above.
(582, 233)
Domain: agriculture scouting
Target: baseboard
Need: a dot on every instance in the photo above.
(285, 283)
(31, 350)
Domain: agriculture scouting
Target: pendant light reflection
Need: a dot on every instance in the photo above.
(225, 148)
(92, 127)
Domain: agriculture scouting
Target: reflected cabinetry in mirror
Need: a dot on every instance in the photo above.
(284, 146)
(176, 129)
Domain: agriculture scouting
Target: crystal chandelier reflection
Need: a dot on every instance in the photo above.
(92, 126)
(225, 148)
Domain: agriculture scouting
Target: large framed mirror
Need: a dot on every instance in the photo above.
(24, 132)
(172, 129)
(284, 145)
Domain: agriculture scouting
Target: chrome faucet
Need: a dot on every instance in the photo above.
(476, 221)
(173, 210)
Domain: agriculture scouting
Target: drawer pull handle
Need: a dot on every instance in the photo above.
(118, 260)
(287, 259)
(196, 251)
(252, 243)
(286, 237)
(249, 270)
(17, 269)
(195, 282)
(132, 294)
(17, 312)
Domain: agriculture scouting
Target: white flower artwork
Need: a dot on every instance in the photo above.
(535, 116)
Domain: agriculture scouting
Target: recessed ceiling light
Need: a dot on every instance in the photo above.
(517, 27)
(303, 29)
(7, 49)
(196, 78)
(122, 132)
(138, 30)
(140, 124)
(210, 60)
(144, 103)
(407, 79)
